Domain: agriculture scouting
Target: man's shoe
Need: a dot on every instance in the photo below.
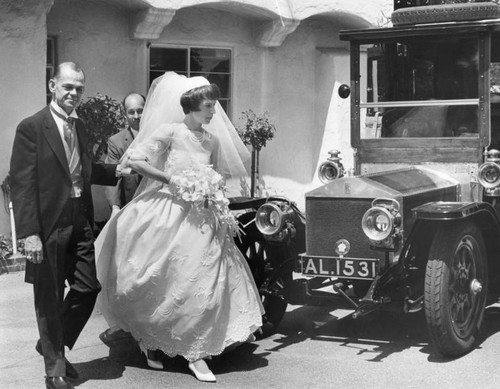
(70, 369)
(151, 358)
(57, 383)
(112, 335)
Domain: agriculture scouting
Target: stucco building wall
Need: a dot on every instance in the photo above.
(96, 36)
(22, 66)
(292, 78)
(292, 82)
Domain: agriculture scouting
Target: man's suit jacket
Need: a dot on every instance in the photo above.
(40, 177)
(124, 191)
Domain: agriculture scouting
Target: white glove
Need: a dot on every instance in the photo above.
(123, 171)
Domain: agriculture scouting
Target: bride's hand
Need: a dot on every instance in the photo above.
(169, 179)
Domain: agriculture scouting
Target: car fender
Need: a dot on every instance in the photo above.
(431, 216)
(446, 210)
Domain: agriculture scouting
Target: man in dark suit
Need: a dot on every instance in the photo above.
(51, 175)
(118, 196)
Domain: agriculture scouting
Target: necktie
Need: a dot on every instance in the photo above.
(69, 137)
(72, 154)
(68, 133)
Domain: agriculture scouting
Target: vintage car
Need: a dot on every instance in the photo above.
(416, 226)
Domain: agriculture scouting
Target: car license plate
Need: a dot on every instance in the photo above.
(343, 267)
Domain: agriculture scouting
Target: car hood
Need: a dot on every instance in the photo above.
(395, 183)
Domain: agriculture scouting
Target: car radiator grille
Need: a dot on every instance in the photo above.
(331, 219)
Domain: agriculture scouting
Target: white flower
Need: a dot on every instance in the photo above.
(203, 187)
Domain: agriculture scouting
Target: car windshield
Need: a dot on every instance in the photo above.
(420, 87)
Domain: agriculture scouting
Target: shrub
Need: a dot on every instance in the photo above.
(6, 249)
(103, 117)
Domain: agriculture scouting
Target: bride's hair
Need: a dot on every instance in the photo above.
(191, 100)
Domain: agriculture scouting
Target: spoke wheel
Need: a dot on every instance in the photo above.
(455, 288)
(273, 294)
(253, 247)
(263, 261)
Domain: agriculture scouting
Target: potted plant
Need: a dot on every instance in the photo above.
(103, 117)
(256, 131)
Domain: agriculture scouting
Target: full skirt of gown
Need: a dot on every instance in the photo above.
(172, 276)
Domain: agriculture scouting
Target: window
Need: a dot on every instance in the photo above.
(51, 64)
(418, 87)
(212, 63)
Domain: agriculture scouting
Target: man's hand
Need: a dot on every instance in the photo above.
(34, 249)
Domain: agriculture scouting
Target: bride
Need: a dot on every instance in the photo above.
(171, 274)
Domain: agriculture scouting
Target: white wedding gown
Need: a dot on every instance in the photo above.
(171, 275)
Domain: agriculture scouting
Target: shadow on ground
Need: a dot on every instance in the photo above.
(124, 352)
(379, 334)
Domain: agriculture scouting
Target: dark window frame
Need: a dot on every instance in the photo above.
(51, 64)
(226, 101)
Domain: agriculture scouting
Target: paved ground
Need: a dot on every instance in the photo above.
(313, 349)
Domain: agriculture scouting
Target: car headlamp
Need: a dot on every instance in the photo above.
(332, 168)
(489, 175)
(380, 221)
(271, 217)
(328, 171)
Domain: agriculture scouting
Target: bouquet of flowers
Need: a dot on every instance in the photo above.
(204, 187)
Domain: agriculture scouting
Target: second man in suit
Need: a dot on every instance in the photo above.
(119, 195)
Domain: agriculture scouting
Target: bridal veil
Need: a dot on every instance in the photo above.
(163, 107)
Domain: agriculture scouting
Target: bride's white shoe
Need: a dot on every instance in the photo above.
(152, 363)
(195, 367)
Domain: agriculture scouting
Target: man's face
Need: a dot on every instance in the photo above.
(67, 89)
(134, 105)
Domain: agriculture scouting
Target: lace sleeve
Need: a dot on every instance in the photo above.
(153, 147)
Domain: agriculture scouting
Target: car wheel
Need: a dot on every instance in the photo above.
(262, 259)
(455, 293)
(253, 247)
(274, 301)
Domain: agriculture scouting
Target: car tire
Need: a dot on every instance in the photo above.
(274, 302)
(455, 291)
